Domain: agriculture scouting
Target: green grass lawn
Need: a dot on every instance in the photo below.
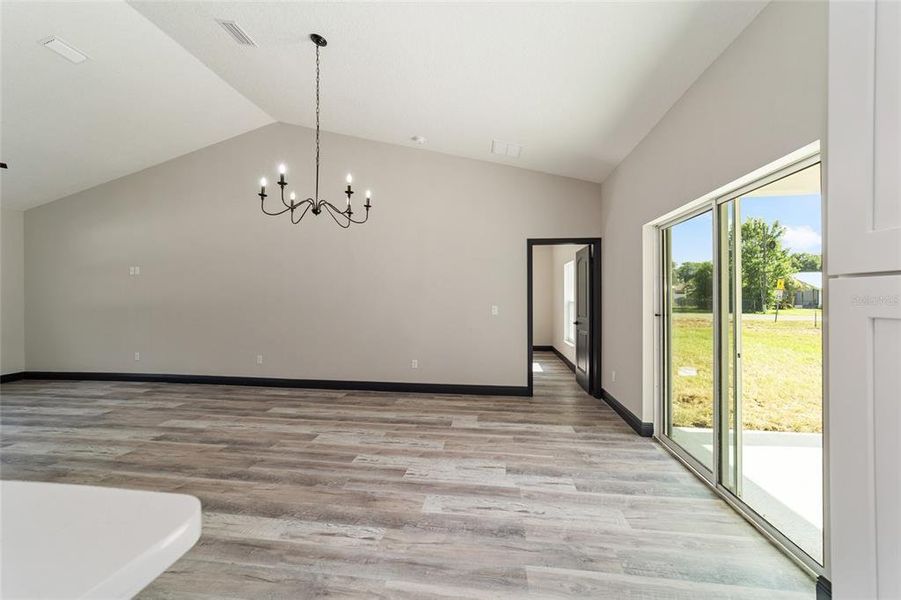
(781, 373)
(798, 312)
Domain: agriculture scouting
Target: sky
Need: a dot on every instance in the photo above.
(800, 215)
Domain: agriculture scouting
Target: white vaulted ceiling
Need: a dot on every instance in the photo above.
(577, 85)
(138, 100)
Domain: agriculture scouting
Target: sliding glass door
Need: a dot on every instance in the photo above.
(689, 360)
(774, 442)
(743, 351)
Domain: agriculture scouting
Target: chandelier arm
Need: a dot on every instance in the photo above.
(309, 205)
(332, 212)
(283, 197)
(366, 218)
(337, 211)
(271, 214)
(340, 224)
(333, 207)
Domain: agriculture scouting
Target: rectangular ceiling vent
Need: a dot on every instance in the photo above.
(239, 35)
(508, 149)
(63, 49)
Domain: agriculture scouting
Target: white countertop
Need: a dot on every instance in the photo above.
(78, 541)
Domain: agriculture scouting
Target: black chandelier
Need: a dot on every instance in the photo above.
(315, 204)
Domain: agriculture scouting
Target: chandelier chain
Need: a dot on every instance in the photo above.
(317, 124)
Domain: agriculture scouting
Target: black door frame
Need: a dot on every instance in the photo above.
(594, 361)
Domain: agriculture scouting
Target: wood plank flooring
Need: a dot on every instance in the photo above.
(310, 493)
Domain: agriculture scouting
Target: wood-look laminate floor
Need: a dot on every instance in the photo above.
(311, 494)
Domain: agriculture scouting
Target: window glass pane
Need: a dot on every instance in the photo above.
(690, 330)
(779, 391)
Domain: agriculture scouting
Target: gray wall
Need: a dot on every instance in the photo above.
(762, 99)
(221, 283)
(542, 295)
(12, 292)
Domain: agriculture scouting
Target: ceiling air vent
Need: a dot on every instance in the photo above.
(508, 149)
(63, 49)
(239, 35)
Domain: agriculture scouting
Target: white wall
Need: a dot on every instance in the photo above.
(542, 295)
(563, 253)
(763, 98)
(12, 292)
(220, 282)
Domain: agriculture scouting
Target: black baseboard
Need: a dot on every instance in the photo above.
(824, 588)
(316, 384)
(641, 428)
(10, 377)
(559, 354)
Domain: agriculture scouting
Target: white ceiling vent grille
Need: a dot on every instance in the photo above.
(239, 35)
(65, 50)
(508, 149)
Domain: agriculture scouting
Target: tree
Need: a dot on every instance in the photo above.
(699, 289)
(805, 261)
(686, 271)
(695, 280)
(763, 262)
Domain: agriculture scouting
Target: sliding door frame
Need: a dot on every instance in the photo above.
(664, 235)
(715, 477)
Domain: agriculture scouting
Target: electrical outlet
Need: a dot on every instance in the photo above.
(613, 376)
(259, 359)
(494, 310)
(137, 356)
(414, 364)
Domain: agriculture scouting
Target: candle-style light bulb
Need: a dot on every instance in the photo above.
(349, 179)
(293, 196)
(281, 169)
(263, 182)
(368, 194)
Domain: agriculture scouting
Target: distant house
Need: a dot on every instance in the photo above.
(809, 292)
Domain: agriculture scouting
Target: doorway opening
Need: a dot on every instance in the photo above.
(564, 306)
(741, 351)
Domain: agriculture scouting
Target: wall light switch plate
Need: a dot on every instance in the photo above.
(494, 310)
(613, 376)
(131, 270)
(259, 359)
(137, 356)
(414, 364)
(137, 270)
